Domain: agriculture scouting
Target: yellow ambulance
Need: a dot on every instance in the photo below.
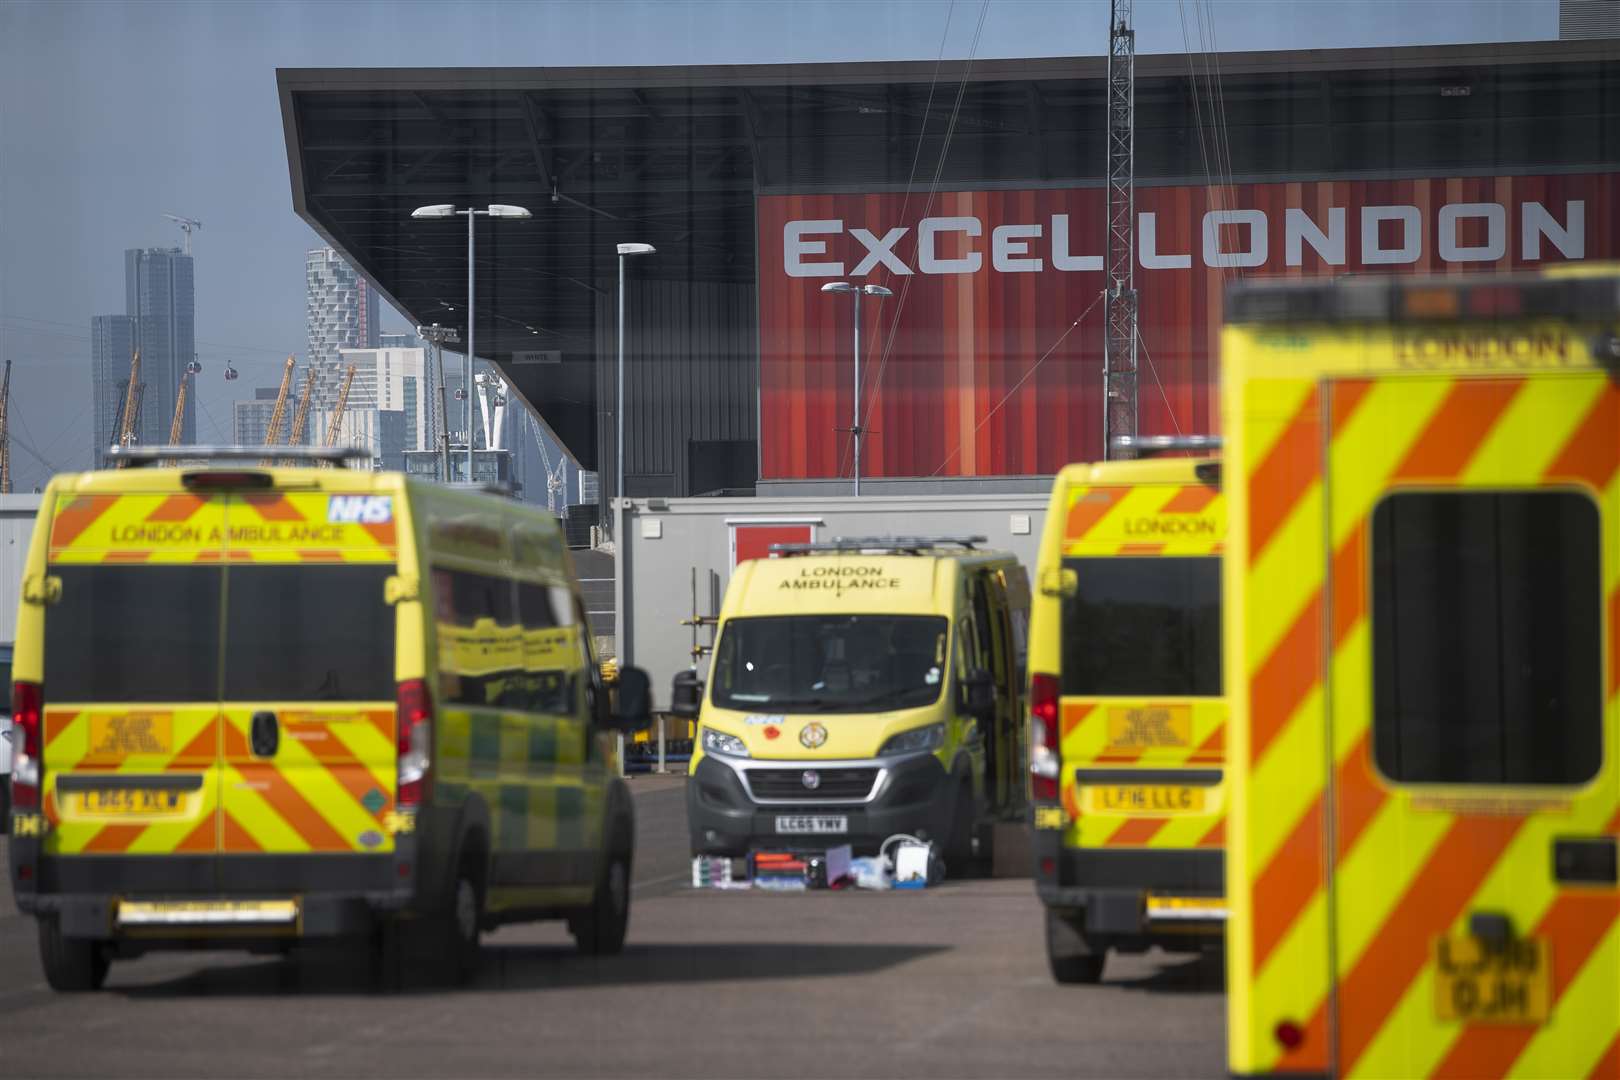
(260, 706)
(1423, 611)
(862, 688)
(1127, 719)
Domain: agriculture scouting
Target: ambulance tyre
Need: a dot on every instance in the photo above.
(457, 926)
(600, 929)
(966, 853)
(72, 965)
(1072, 960)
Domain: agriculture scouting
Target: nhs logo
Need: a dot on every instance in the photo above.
(359, 509)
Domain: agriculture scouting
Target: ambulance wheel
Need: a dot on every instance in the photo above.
(457, 927)
(600, 929)
(966, 855)
(72, 965)
(1072, 960)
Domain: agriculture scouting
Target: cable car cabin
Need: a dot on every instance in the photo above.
(1423, 478)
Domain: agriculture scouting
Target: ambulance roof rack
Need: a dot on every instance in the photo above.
(875, 545)
(1466, 297)
(1164, 444)
(150, 455)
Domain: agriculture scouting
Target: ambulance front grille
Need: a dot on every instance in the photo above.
(829, 784)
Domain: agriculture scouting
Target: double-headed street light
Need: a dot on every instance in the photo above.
(625, 251)
(856, 291)
(494, 210)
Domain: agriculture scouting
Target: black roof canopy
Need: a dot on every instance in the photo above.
(675, 156)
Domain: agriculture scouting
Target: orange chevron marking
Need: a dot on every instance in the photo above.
(77, 516)
(177, 508)
(1350, 586)
(1070, 803)
(1614, 642)
(1118, 757)
(1214, 744)
(1573, 927)
(1593, 453)
(1358, 795)
(1216, 837)
(1428, 907)
(1608, 1066)
(384, 721)
(55, 724)
(1311, 1055)
(1190, 499)
(127, 556)
(1091, 508)
(113, 839)
(295, 810)
(320, 555)
(1285, 474)
(1141, 549)
(1073, 716)
(203, 838)
(1344, 398)
(1287, 675)
(383, 532)
(1454, 434)
(1287, 883)
(204, 746)
(232, 837)
(273, 507)
(1136, 831)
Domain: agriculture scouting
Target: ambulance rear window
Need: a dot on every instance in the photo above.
(133, 634)
(301, 632)
(1138, 626)
(1487, 637)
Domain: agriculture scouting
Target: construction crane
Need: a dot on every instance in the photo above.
(336, 424)
(177, 425)
(132, 403)
(1120, 316)
(186, 226)
(5, 436)
(272, 430)
(554, 475)
(301, 414)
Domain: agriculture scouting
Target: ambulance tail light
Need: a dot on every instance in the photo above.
(413, 733)
(1045, 753)
(27, 760)
(1289, 1035)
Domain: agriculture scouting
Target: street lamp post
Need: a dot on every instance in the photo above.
(625, 251)
(494, 210)
(856, 291)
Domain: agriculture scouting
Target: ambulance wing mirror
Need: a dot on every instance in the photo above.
(977, 693)
(1059, 581)
(398, 589)
(632, 701)
(42, 589)
(686, 695)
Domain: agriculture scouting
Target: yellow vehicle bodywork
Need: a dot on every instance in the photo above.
(1424, 489)
(980, 600)
(290, 789)
(1129, 834)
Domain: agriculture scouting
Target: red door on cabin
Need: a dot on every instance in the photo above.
(754, 541)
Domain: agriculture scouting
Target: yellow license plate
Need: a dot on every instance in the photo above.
(1479, 983)
(1145, 799)
(132, 802)
(123, 735)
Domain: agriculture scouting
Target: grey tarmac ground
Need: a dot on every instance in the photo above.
(950, 982)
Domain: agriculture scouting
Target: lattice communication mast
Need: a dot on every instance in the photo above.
(1119, 346)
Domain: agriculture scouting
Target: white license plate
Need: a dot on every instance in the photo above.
(813, 824)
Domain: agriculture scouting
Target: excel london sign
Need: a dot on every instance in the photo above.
(1371, 235)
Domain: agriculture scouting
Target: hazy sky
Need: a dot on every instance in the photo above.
(112, 113)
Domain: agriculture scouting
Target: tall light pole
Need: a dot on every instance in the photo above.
(856, 291)
(625, 251)
(494, 210)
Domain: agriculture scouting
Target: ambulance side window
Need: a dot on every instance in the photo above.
(480, 641)
(1487, 637)
(551, 661)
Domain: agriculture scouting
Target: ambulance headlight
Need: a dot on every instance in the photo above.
(718, 742)
(915, 741)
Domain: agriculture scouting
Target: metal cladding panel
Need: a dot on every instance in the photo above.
(689, 377)
(964, 389)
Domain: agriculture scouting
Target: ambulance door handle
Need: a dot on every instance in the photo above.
(265, 735)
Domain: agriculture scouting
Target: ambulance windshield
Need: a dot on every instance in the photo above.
(831, 663)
